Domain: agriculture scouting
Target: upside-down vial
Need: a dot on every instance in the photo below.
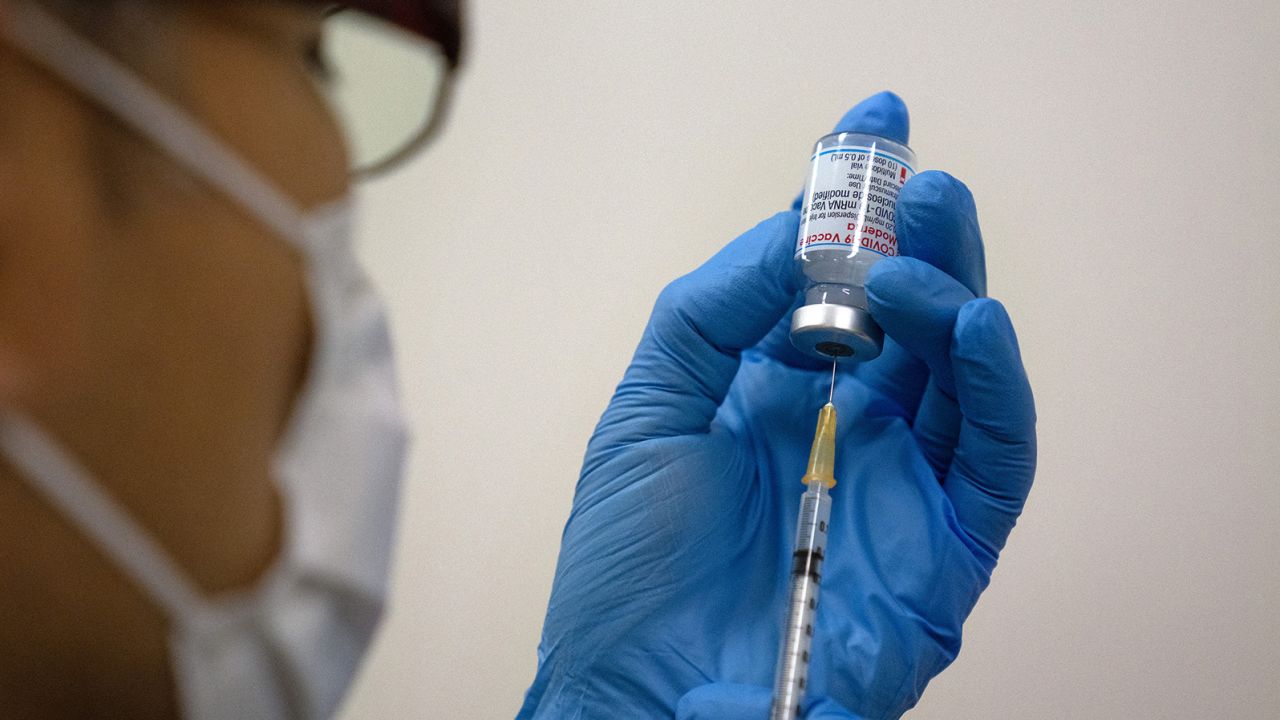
(846, 226)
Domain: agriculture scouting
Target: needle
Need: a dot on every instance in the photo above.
(832, 394)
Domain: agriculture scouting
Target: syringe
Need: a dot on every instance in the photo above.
(792, 674)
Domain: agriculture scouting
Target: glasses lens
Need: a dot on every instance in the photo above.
(385, 85)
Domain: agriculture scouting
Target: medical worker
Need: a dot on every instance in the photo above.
(201, 434)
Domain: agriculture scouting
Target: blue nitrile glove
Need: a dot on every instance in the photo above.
(672, 579)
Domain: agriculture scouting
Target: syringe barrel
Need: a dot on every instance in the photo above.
(792, 675)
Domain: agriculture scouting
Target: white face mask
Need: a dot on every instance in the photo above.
(288, 648)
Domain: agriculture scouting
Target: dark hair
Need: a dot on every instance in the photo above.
(437, 20)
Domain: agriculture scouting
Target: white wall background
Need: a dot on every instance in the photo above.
(1125, 158)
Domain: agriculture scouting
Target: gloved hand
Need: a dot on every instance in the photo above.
(672, 579)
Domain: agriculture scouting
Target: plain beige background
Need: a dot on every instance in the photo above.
(1125, 159)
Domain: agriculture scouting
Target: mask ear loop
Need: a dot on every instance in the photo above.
(68, 486)
(42, 37)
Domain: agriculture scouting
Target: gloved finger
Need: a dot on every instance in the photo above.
(731, 701)
(937, 428)
(724, 701)
(995, 458)
(827, 709)
(883, 114)
(701, 322)
(777, 345)
(917, 305)
(897, 374)
(936, 222)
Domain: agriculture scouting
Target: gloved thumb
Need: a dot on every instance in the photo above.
(731, 701)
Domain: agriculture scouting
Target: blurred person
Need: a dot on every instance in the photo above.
(201, 438)
(200, 434)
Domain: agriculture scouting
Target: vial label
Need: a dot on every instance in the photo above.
(850, 200)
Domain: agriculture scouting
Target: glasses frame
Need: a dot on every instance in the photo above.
(436, 114)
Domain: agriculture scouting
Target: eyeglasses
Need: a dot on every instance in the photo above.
(389, 88)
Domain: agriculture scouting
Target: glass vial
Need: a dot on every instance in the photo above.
(846, 226)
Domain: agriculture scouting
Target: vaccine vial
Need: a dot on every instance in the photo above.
(846, 226)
